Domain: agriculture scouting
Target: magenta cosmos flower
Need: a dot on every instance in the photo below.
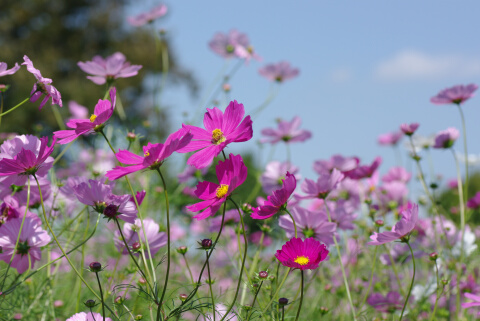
(288, 132)
(277, 201)
(446, 138)
(454, 95)
(409, 129)
(4, 71)
(390, 139)
(108, 69)
(101, 198)
(133, 232)
(153, 155)
(302, 255)
(220, 130)
(272, 178)
(323, 186)
(101, 114)
(475, 298)
(32, 238)
(23, 156)
(472, 203)
(42, 86)
(88, 316)
(147, 17)
(400, 230)
(231, 173)
(279, 72)
(364, 171)
(229, 45)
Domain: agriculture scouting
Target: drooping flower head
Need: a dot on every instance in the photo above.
(454, 95)
(101, 198)
(153, 155)
(32, 238)
(25, 155)
(279, 72)
(42, 86)
(147, 17)
(87, 316)
(277, 201)
(231, 173)
(409, 129)
(108, 69)
(220, 130)
(302, 255)
(390, 139)
(446, 138)
(4, 71)
(401, 230)
(289, 132)
(101, 114)
(134, 232)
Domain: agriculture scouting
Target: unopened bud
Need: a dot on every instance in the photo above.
(183, 297)
(206, 244)
(119, 299)
(131, 137)
(379, 223)
(444, 282)
(136, 246)
(95, 267)
(433, 256)
(90, 303)
(283, 301)
(182, 250)
(323, 310)
(263, 274)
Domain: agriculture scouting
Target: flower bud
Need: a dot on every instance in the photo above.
(444, 282)
(136, 246)
(255, 285)
(323, 310)
(247, 307)
(283, 301)
(139, 317)
(119, 299)
(90, 303)
(433, 256)
(183, 297)
(131, 137)
(110, 211)
(263, 274)
(182, 250)
(379, 223)
(95, 267)
(142, 281)
(227, 87)
(206, 244)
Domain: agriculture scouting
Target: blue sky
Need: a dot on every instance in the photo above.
(365, 68)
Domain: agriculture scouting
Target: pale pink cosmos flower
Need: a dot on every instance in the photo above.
(397, 174)
(153, 155)
(289, 132)
(233, 44)
(133, 232)
(400, 230)
(42, 86)
(454, 95)
(25, 155)
(108, 69)
(343, 164)
(231, 173)
(389, 303)
(78, 111)
(446, 138)
(4, 71)
(325, 183)
(390, 139)
(274, 174)
(220, 130)
(475, 298)
(279, 72)
(88, 316)
(409, 129)
(101, 114)
(147, 17)
(32, 238)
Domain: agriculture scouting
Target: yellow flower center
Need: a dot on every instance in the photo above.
(217, 137)
(302, 260)
(222, 190)
(92, 118)
(147, 153)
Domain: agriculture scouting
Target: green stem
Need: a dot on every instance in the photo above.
(371, 279)
(293, 220)
(273, 93)
(411, 284)
(1, 106)
(58, 117)
(210, 285)
(301, 300)
(62, 153)
(15, 107)
(432, 317)
(464, 128)
(394, 268)
(277, 291)
(101, 295)
(254, 299)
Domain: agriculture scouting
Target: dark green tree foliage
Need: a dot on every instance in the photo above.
(56, 34)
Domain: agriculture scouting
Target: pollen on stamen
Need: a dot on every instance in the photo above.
(92, 118)
(302, 260)
(147, 153)
(217, 136)
(222, 190)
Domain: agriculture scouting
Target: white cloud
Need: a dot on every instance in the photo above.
(417, 65)
(341, 75)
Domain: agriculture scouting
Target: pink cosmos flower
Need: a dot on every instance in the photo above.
(108, 69)
(323, 186)
(302, 255)
(42, 86)
(279, 72)
(88, 316)
(23, 156)
(233, 44)
(288, 132)
(454, 95)
(343, 164)
(397, 174)
(32, 238)
(313, 224)
(153, 155)
(446, 138)
(400, 230)
(191, 172)
(101, 114)
(364, 171)
(409, 129)
(390, 139)
(220, 130)
(101, 198)
(389, 303)
(231, 173)
(78, 111)
(272, 178)
(474, 202)
(147, 17)
(133, 232)
(277, 201)
(475, 298)
(4, 71)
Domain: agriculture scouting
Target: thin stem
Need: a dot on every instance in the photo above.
(371, 279)
(168, 244)
(293, 220)
(210, 285)
(283, 313)
(62, 153)
(254, 299)
(394, 268)
(342, 267)
(301, 300)
(15, 107)
(273, 93)
(101, 295)
(432, 317)
(58, 117)
(1, 106)
(277, 291)
(411, 284)
(464, 128)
